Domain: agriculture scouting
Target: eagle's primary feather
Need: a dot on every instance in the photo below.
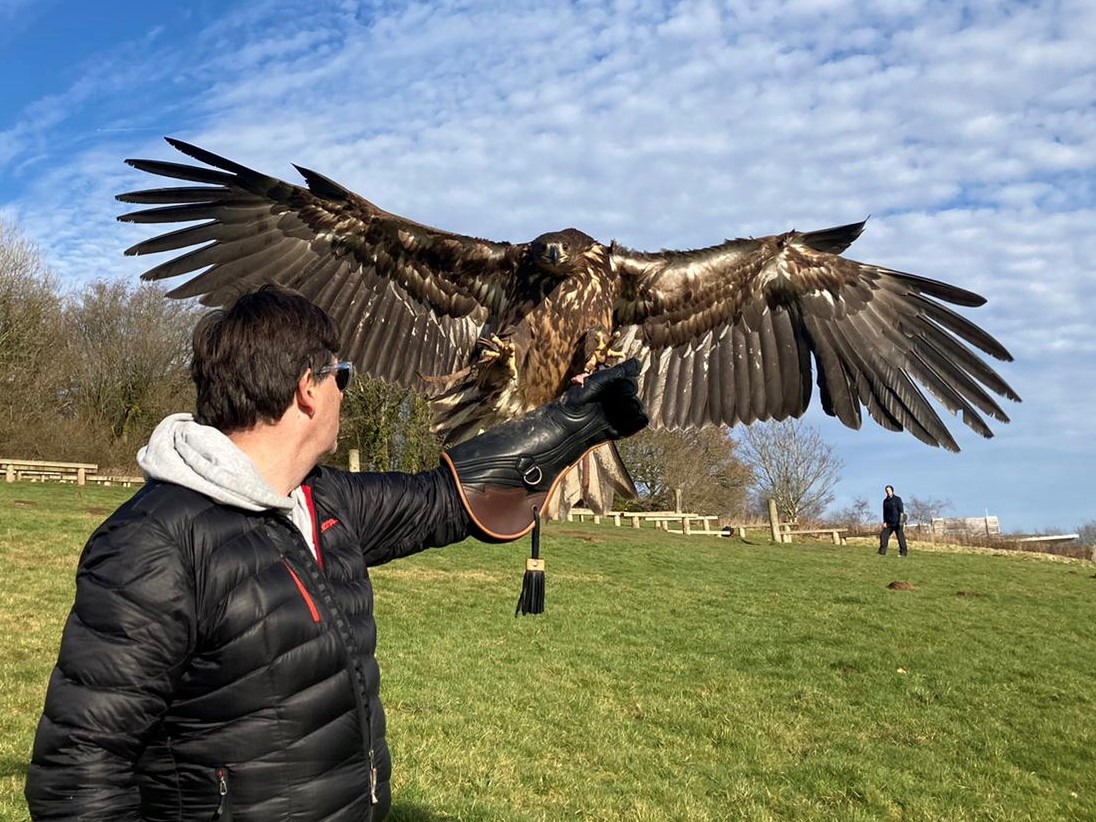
(726, 334)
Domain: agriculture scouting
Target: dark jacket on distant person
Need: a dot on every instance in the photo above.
(892, 510)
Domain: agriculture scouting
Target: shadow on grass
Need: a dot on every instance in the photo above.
(13, 767)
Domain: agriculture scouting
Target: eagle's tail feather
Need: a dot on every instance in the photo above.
(461, 412)
(595, 480)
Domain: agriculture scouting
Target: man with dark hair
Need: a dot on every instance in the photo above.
(894, 522)
(218, 662)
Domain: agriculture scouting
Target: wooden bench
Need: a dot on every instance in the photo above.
(686, 523)
(836, 534)
(110, 479)
(582, 513)
(743, 527)
(662, 520)
(45, 471)
(705, 521)
(659, 519)
(665, 520)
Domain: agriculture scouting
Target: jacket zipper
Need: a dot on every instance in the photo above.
(372, 771)
(222, 790)
(304, 591)
(363, 708)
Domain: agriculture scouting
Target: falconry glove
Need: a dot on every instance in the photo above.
(513, 468)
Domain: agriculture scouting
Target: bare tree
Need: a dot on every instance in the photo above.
(701, 463)
(923, 510)
(857, 516)
(792, 464)
(128, 351)
(30, 336)
(1087, 533)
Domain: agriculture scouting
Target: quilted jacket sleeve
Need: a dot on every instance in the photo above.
(127, 637)
(401, 514)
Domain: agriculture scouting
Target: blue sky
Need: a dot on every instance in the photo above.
(966, 131)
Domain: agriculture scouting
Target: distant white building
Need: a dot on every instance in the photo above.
(1051, 539)
(986, 526)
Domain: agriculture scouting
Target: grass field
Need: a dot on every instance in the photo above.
(675, 678)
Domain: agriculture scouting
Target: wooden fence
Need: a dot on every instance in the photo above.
(80, 473)
(687, 524)
(672, 522)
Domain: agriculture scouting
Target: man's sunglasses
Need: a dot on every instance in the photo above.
(342, 371)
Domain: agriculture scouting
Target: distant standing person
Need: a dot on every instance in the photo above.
(894, 521)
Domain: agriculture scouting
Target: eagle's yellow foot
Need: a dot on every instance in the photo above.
(495, 350)
(599, 359)
(599, 350)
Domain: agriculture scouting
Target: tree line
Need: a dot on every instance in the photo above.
(87, 374)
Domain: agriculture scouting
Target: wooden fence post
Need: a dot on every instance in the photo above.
(355, 460)
(774, 521)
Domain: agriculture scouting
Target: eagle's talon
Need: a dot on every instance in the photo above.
(494, 348)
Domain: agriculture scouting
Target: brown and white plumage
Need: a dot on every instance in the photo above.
(726, 334)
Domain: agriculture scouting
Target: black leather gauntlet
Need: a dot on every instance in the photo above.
(512, 468)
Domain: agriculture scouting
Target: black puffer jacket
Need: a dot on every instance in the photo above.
(892, 510)
(211, 668)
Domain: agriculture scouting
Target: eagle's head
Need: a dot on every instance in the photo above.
(557, 253)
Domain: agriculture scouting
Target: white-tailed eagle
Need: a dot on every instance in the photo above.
(725, 335)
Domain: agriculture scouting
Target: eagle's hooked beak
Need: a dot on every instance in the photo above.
(552, 256)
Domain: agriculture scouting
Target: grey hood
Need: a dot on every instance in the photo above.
(203, 459)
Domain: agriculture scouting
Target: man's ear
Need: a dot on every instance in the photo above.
(305, 395)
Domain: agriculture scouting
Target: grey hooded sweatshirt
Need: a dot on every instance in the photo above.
(203, 459)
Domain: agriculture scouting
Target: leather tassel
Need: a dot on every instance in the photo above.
(531, 600)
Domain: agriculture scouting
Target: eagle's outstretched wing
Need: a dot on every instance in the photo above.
(727, 335)
(408, 298)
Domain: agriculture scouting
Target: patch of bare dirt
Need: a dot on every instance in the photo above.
(594, 540)
(900, 585)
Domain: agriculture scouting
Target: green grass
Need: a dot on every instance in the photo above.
(675, 678)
